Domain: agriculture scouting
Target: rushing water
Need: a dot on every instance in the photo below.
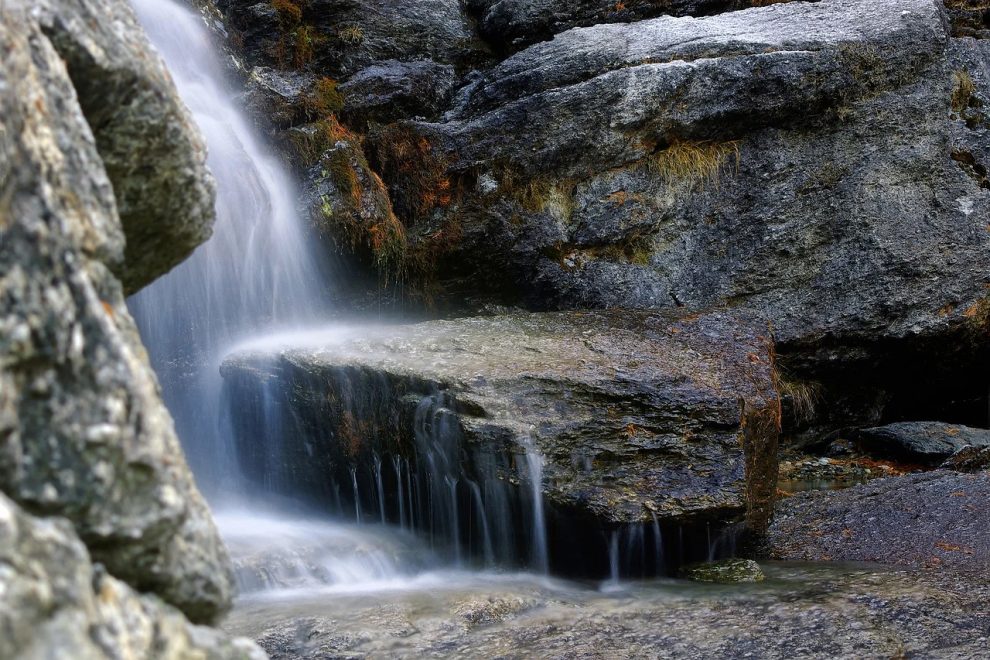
(257, 273)
(398, 518)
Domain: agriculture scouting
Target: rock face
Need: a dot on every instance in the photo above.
(83, 431)
(151, 151)
(928, 443)
(656, 161)
(923, 520)
(512, 23)
(57, 604)
(618, 418)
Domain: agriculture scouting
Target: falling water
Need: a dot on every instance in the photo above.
(257, 272)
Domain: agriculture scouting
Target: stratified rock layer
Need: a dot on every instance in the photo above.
(83, 431)
(636, 415)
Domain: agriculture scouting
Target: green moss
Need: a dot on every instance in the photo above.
(324, 99)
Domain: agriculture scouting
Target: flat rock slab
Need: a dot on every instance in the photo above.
(929, 443)
(636, 414)
(927, 519)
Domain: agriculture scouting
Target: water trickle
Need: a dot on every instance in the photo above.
(541, 555)
(257, 273)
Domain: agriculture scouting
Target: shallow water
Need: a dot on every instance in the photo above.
(800, 610)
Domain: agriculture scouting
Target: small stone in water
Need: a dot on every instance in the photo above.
(725, 571)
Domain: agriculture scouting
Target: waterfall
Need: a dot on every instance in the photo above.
(258, 272)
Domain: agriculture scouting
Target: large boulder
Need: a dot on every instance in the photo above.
(54, 603)
(83, 431)
(151, 150)
(515, 23)
(818, 162)
(609, 419)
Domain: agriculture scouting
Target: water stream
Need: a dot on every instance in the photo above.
(256, 274)
(393, 519)
(259, 276)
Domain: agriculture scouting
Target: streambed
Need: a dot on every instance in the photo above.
(800, 610)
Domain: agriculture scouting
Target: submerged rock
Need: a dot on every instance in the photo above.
(925, 519)
(928, 443)
(726, 571)
(83, 431)
(54, 603)
(618, 417)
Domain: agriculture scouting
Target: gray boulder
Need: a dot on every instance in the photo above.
(83, 431)
(150, 148)
(928, 443)
(393, 90)
(638, 417)
(803, 160)
(514, 23)
(55, 604)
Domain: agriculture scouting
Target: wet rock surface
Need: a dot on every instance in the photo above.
(927, 443)
(55, 603)
(83, 431)
(969, 459)
(799, 611)
(930, 519)
(637, 416)
(726, 571)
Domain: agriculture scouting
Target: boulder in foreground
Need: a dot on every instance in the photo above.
(622, 417)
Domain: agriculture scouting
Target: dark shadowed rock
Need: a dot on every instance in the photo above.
(636, 415)
(151, 150)
(395, 90)
(925, 519)
(83, 431)
(928, 443)
(969, 459)
(54, 603)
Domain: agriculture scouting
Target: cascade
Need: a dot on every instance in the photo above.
(398, 487)
(257, 273)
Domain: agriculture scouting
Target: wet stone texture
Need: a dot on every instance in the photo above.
(931, 519)
(799, 611)
(638, 417)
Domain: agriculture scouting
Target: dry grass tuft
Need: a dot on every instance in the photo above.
(694, 161)
(962, 90)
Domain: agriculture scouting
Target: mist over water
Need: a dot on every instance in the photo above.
(258, 273)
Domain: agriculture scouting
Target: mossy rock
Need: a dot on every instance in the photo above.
(725, 571)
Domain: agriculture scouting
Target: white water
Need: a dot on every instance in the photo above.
(256, 283)
(256, 274)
